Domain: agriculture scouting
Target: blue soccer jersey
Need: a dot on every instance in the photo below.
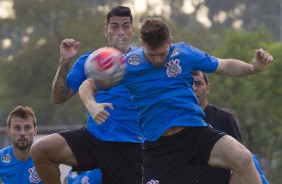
(262, 176)
(14, 171)
(164, 95)
(85, 177)
(122, 124)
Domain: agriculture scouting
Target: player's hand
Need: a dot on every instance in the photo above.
(68, 49)
(98, 112)
(261, 59)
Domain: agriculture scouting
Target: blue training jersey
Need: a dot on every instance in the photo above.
(122, 124)
(85, 177)
(14, 171)
(262, 176)
(164, 95)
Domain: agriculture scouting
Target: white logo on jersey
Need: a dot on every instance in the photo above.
(173, 68)
(153, 182)
(84, 180)
(33, 176)
(174, 52)
(6, 158)
(134, 60)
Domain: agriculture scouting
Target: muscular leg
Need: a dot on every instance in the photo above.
(47, 153)
(229, 153)
(234, 179)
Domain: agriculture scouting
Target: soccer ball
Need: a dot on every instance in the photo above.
(106, 66)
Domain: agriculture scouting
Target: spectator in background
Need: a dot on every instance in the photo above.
(220, 119)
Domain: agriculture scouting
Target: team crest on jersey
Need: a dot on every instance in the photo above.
(33, 176)
(174, 52)
(153, 182)
(85, 180)
(6, 158)
(173, 68)
(134, 60)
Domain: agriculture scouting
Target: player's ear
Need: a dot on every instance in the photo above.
(170, 40)
(35, 131)
(8, 131)
(209, 87)
(133, 30)
(106, 31)
(141, 42)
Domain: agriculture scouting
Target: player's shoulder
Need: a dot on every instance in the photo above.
(6, 150)
(6, 155)
(84, 56)
(136, 51)
(135, 57)
(182, 45)
(133, 48)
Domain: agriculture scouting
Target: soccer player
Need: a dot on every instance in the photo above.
(90, 177)
(114, 146)
(16, 164)
(160, 81)
(220, 119)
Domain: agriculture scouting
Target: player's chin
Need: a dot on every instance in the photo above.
(158, 64)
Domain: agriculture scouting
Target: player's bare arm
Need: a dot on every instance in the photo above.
(234, 67)
(60, 90)
(96, 110)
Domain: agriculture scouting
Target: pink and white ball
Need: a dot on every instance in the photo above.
(106, 66)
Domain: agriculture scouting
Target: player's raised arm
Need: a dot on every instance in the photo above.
(236, 67)
(60, 91)
(96, 110)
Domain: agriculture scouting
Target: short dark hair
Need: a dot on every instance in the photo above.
(119, 11)
(23, 112)
(205, 75)
(154, 32)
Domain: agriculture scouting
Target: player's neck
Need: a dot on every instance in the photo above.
(204, 104)
(21, 155)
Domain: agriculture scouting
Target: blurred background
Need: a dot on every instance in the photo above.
(31, 32)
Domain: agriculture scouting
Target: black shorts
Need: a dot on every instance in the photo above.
(167, 160)
(120, 162)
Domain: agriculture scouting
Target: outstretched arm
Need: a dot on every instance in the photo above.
(235, 67)
(60, 91)
(97, 110)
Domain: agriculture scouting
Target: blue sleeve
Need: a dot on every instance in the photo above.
(200, 59)
(76, 74)
(262, 176)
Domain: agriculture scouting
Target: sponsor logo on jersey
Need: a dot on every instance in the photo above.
(173, 68)
(134, 60)
(174, 52)
(6, 158)
(33, 176)
(153, 182)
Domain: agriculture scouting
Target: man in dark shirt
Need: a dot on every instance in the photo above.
(223, 120)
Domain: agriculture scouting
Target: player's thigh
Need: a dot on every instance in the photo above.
(226, 152)
(55, 147)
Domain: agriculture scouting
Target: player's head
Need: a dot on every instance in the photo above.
(156, 40)
(21, 127)
(201, 87)
(119, 28)
(119, 11)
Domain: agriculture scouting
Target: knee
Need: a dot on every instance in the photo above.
(37, 149)
(245, 161)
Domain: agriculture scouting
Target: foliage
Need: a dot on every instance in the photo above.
(27, 68)
(256, 99)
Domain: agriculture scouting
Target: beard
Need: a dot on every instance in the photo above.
(22, 146)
